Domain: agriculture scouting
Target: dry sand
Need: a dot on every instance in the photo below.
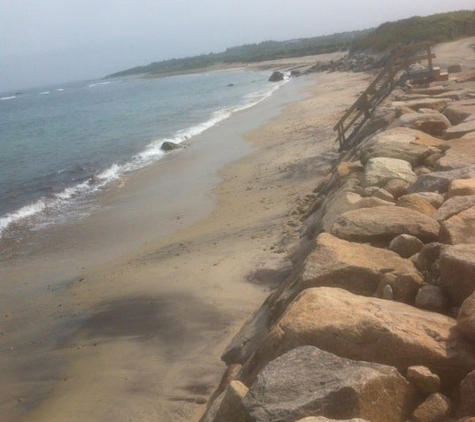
(149, 327)
(460, 52)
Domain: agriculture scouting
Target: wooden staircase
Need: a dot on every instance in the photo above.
(350, 123)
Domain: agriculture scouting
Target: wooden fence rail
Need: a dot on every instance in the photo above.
(382, 85)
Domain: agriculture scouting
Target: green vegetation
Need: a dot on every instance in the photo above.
(437, 28)
(267, 50)
(441, 27)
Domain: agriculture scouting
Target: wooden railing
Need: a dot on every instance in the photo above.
(382, 85)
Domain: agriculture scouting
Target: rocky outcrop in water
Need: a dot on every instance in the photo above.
(169, 146)
(276, 76)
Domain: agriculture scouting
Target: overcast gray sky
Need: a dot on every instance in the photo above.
(54, 41)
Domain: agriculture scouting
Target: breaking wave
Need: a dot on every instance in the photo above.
(47, 207)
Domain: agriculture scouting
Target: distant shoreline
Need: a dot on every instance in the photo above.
(208, 69)
(295, 63)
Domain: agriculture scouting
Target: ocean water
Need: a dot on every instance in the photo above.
(62, 145)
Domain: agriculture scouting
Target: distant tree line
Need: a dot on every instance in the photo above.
(441, 27)
(437, 28)
(249, 53)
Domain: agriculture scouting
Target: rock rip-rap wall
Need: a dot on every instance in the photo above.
(376, 322)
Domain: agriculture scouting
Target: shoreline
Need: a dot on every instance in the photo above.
(166, 171)
(291, 63)
(196, 280)
(70, 196)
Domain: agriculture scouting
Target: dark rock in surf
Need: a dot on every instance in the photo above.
(169, 146)
(276, 77)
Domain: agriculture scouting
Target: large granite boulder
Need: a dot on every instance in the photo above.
(334, 262)
(467, 395)
(435, 408)
(435, 124)
(352, 266)
(454, 206)
(345, 200)
(408, 136)
(466, 317)
(462, 129)
(383, 224)
(457, 94)
(396, 187)
(459, 228)
(379, 171)
(405, 245)
(461, 154)
(416, 202)
(438, 181)
(379, 193)
(456, 114)
(424, 379)
(228, 407)
(461, 187)
(423, 138)
(457, 272)
(368, 329)
(434, 198)
(427, 91)
(389, 147)
(438, 104)
(309, 381)
(432, 298)
(338, 197)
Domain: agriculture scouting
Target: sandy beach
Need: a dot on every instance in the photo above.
(123, 316)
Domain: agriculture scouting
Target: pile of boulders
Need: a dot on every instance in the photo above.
(376, 321)
(360, 62)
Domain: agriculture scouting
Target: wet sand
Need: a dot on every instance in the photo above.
(123, 315)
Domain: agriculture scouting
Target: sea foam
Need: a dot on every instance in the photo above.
(21, 214)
